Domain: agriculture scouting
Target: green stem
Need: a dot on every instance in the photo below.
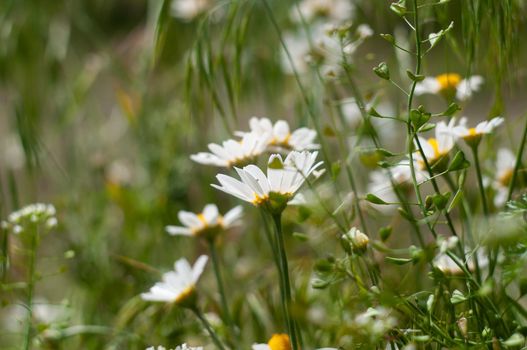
(31, 287)
(221, 289)
(208, 327)
(480, 181)
(286, 280)
(518, 163)
(276, 257)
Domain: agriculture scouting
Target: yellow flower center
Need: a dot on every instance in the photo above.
(259, 200)
(186, 294)
(435, 146)
(472, 132)
(506, 178)
(281, 143)
(279, 342)
(448, 81)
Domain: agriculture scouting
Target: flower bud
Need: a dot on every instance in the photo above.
(358, 240)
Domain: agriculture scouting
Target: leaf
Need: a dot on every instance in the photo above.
(451, 110)
(302, 237)
(399, 7)
(459, 162)
(382, 71)
(389, 38)
(374, 199)
(415, 77)
(457, 297)
(455, 200)
(398, 261)
(385, 233)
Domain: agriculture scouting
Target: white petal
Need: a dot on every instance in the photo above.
(210, 213)
(198, 268)
(232, 216)
(429, 85)
(189, 219)
(178, 230)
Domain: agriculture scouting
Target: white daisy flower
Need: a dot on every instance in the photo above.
(484, 127)
(232, 152)
(437, 147)
(449, 83)
(189, 9)
(279, 342)
(178, 286)
(335, 10)
(280, 136)
(207, 223)
(505, 163)
(276, 189)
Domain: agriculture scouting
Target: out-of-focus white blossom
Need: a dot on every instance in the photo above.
(187, 10)
(450, 83)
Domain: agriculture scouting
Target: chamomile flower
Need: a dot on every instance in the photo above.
(178, 286)
(450, 84)
(505, 163)
(207, 224)
(279, 135)
(276, 189)
(232, 152)
(279, 342)
(474, 134)
(189, 9)
(437, 147)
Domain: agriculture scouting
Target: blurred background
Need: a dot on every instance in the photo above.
(102, 102)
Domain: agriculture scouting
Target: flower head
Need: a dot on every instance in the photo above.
(279, 135)
(178, 286)
(276, 189)
(437, 147)
(450, 84)
(473, 135)
(37, 213)
(279, 341)
(232, 152)
(207, 223)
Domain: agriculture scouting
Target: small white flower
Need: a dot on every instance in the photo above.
(177, 286)
(336, 10)
(505, 163)
(232, 152)
(364, 31)
(189, 9)
(280, 136)
(207, 221)
(484, 127)
(436, 147)
(450, 82)
(274, 190)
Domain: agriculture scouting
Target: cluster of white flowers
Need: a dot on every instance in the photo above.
(38, 213)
